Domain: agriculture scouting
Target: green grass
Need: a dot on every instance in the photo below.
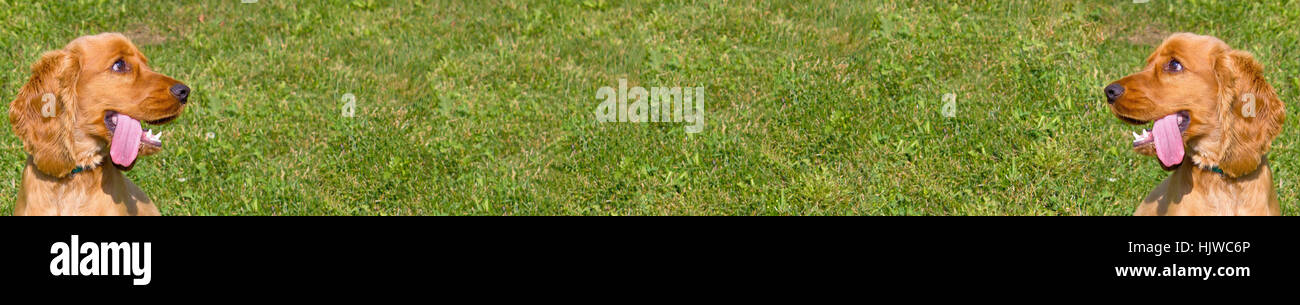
(812, 108)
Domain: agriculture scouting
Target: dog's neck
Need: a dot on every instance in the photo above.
(72, 190)
(1227, 193)
(99, 190)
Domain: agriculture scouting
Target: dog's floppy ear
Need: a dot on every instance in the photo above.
(1251, 113)
(41, 115)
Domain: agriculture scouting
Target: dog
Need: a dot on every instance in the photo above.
(78, 118)
(1214, 116)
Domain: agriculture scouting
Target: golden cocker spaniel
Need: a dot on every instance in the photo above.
(81, 110)
(1214, 119)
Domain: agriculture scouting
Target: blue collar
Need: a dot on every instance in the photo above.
(75, 170)
(1262, 160)
(80, 169)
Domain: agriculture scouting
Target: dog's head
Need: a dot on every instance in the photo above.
(84, 103)
(1204, 97)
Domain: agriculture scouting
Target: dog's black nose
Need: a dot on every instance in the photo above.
(181, 92)
(1113, 92)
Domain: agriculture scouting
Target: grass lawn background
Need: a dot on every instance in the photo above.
(485, 107)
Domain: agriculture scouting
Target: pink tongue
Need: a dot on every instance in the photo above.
(1169, 140)
(126, 140)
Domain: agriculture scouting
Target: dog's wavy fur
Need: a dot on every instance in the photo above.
(1214, 87)
(85, 88)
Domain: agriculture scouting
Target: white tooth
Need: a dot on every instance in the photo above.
(159, 136)
(1136, 137)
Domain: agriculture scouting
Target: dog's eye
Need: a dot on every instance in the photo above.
(120, 66)
(1174, 66)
